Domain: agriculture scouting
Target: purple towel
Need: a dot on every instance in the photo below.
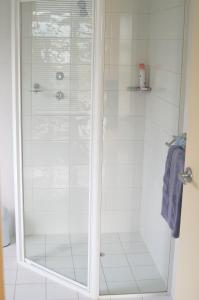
(173, 189)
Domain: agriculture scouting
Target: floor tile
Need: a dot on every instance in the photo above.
(58, 250)
(145, 272)
(130, 237)
(140, 260)
(118, 274)
(9, 292)
(110, 238)
(56, 291)
(59, 262)
(35, 250)
(81, 276)
(30, 292)
(112, 248)
(68, 273)
(80, 249)
(114, 260)
(80, 262)
(126, 265)
(119, 288)
(26, 276)
(103, 288)
(38, 260)
(151, 286)
(58, 239)
(134, 247)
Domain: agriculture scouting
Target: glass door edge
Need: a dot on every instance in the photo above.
(96, 172)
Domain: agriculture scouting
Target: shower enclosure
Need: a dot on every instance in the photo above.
(90, 149)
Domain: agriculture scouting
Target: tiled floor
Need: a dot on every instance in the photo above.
(126, 267)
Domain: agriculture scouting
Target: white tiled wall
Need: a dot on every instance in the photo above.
(124, 114)
(56, 134)
(162, 115)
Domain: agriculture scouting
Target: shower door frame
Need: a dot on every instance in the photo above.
(92, 289)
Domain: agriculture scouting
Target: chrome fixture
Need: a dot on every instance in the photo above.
(59, 95)
(59, 75)
(138, 89)
(82, 7)
(187, 176)
(182, 137)
(36, 88)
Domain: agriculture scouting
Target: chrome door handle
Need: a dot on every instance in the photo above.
(187, 176)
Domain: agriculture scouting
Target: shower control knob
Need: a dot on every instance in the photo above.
(59, 95)
(59, 75)
(187, 176)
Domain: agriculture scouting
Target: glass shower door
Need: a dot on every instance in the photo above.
(56, 67)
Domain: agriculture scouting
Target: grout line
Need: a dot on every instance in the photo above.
(131, 270)
(102, 272)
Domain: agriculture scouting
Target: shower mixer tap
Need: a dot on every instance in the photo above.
(59, 95)
(36, 88)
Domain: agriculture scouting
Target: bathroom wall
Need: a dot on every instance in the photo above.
(161, 120)
(56, 133)
(6, 160)
(124, 114)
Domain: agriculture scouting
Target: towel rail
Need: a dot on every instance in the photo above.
(175, 138)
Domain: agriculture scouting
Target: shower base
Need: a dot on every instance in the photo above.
(126, 266)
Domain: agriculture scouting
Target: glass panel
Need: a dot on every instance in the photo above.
(57, 42)
(135, 240)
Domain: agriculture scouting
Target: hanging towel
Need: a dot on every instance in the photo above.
(173, 189)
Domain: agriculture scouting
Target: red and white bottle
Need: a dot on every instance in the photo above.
(142, 76)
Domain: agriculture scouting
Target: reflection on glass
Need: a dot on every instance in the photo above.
(135, 240)
(57, 37)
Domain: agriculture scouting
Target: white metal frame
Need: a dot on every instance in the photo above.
(95, 179)
(96, 156)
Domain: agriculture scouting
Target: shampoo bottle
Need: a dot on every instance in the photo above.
(142, 76)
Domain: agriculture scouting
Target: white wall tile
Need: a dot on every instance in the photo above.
(79, 199)
(50, 177)
(125, 6)
(167, 24)
(157, 5)
(79, 176)
(113, 221)
(121, 199)
(38, 223)
(30, 291)
(50, 128)
(51, 154)
(56, 291)
(122, 175)
(50, 200)
(163, 113)
(166, 85)
(166, 54)
(79, 152)
(123, 103)
(123, 152)
(130, 128)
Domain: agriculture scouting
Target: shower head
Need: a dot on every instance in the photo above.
(82, 7)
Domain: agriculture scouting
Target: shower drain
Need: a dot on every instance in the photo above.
(102, 254)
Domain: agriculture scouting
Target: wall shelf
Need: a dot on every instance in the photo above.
(138, 89)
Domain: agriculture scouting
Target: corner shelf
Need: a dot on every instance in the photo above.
(138, 89)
